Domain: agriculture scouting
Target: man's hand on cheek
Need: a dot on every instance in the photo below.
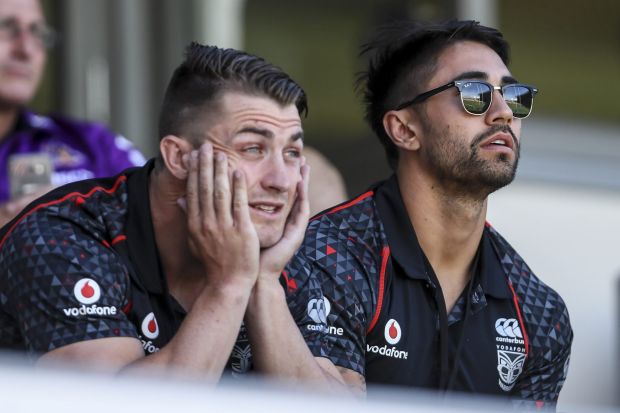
(221, 234)
(274, 259)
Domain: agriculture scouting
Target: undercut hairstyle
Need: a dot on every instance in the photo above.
(207, 73)
(402, 57)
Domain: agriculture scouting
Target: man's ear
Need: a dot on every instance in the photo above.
(172, 149)
(403, 129)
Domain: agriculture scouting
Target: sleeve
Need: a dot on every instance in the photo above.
(339, 319)
(61, 285)
(540, 386)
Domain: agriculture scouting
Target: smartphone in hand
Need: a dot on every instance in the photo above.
(28, 173)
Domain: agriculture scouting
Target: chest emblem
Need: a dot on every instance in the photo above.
(87, 291)
(392, 332)
(510, 352)
(150, 328)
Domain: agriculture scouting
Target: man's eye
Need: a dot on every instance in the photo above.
(252, 150)
(293, 153)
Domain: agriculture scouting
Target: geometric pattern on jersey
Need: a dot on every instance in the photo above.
(102, 229)
(44, 254)
(547, 325)
(343, 247)
(335, 245)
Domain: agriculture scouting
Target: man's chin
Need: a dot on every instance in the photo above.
(269, 232)
(269, 238)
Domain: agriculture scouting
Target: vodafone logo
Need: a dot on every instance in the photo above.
(150, 328)
(392, 331)
(87, 291)
(508, 327)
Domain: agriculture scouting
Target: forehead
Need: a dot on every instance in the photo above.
(26, 10)
(468, 56)
(236, 108)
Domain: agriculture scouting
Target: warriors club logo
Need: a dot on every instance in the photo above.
(510, 352)
(87, 291)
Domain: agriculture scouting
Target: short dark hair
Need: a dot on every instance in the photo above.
(208, 72)
(402, 58)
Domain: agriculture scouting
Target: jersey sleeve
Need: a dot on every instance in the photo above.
(304, 297)
(344, 275)
(540, 386)
(61, 285)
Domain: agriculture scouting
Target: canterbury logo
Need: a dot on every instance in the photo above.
(508, 327)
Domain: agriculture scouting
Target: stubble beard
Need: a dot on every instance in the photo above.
(461, 169)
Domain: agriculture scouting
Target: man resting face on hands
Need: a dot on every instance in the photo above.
(178, 265)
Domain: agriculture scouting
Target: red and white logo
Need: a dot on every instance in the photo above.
(150, 328)
(87, 291)
(392, 331)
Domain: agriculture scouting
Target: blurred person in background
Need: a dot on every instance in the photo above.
(327, 187)
(177, 265)
(39, 152)
(419, 289)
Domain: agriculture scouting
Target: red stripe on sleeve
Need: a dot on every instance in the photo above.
(385, 254)
(111, 190)
(523, 329)
(348, 204)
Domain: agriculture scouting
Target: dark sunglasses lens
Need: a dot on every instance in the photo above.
(519, 99)
(476, 97)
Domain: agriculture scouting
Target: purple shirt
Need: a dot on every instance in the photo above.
(79, 150)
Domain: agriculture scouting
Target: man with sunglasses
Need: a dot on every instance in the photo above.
(419, 290)
(58, 150)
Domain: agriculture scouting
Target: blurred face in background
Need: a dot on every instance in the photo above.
(24, 36)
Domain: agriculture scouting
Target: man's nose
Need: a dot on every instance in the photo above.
(499, 112)
(277, 175)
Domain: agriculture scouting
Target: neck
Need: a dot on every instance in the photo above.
(8, 117)
(448, 226)
(184, 274)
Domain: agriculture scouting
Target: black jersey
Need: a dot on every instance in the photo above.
(81, 263)
(508, 333)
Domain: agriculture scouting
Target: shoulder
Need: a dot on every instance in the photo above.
(543, 309)
(351, 225)
(343, 244)
(94, 207)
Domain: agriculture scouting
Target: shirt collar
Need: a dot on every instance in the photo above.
(404, 246)
(493, 279)
(407, 252)
(140, 234)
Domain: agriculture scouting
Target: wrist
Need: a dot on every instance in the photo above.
(267, 291)
(233, 288)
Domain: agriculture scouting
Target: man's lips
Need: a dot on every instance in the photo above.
(267, 207)
(17, 70)
(500, 141)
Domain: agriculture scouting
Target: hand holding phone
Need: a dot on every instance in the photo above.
(29, 173)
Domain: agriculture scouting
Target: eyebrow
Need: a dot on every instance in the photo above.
(506, 80)
(269, 134)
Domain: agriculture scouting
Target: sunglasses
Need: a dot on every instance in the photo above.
(477, 96)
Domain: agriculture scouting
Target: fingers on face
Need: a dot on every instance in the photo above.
(192, 202)
(205, 179)
(221, 189)
(240, 207)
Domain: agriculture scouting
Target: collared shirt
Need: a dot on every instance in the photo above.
(384, 305)
(82, 263)
(78, 150)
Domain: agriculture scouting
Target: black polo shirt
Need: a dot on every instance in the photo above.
(81, 263)
(508, 333)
